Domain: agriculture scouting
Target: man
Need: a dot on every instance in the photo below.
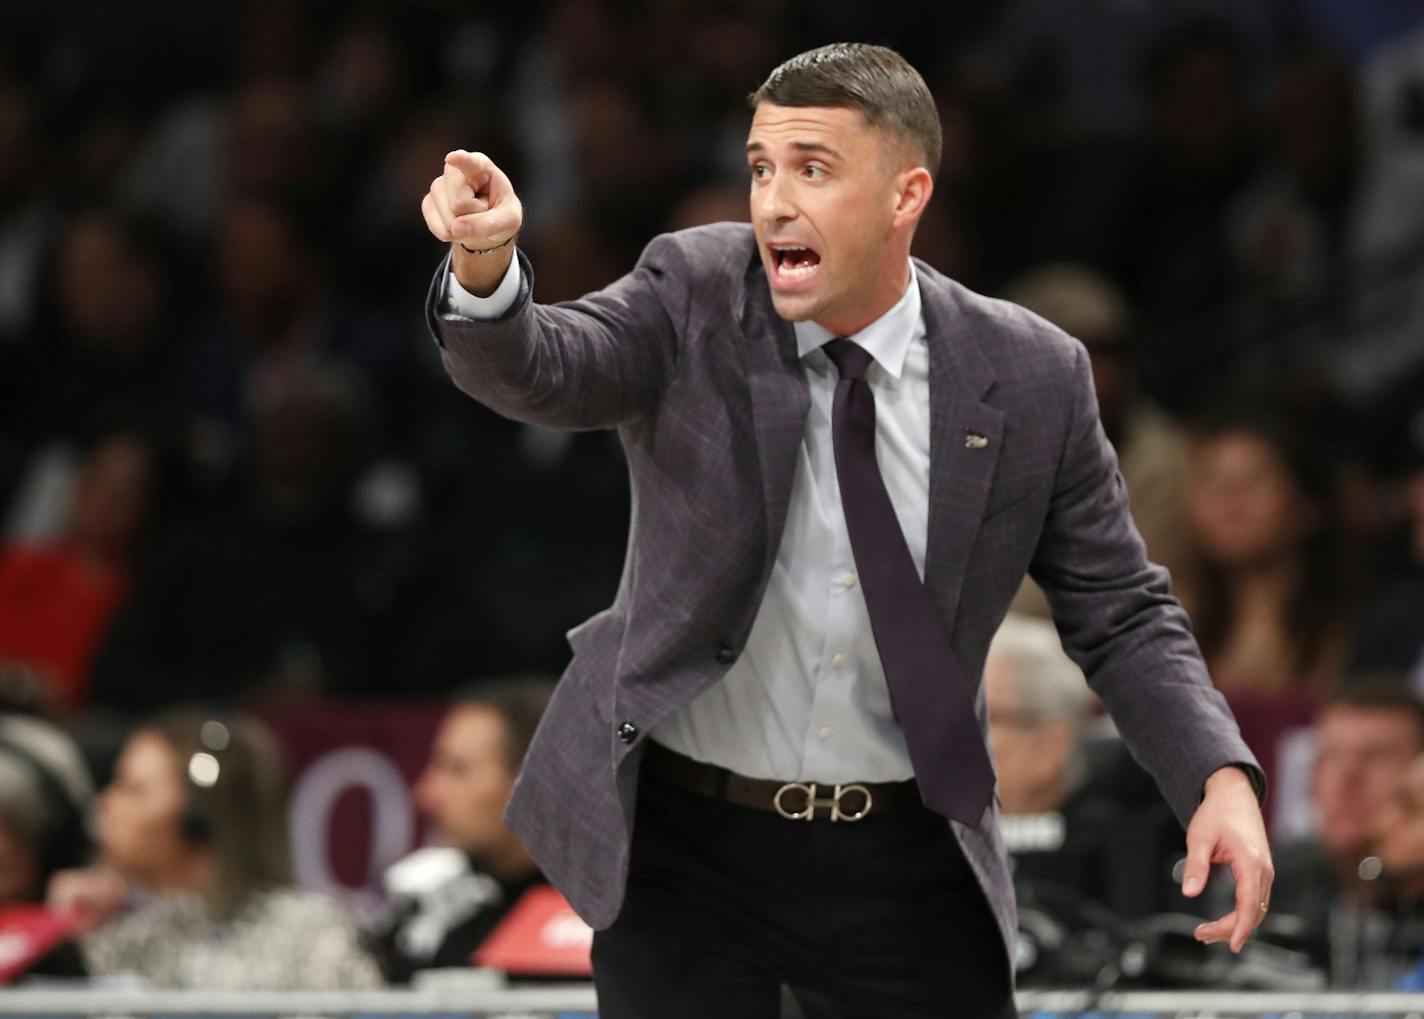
(842, 465)
(1399, 848)
(1038, 711)
(1365, 740)
(1081, 834)
(445, 901)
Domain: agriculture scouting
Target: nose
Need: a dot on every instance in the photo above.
(772, 201)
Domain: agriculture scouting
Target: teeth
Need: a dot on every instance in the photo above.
(804, 270)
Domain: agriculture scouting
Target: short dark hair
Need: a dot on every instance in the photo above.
(519, 701)
(1380, 691)
(875, 80)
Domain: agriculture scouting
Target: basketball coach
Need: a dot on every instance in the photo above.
(766, 763)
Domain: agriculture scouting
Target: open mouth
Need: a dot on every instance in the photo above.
(794, 262)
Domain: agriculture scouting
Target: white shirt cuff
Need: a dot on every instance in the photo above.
(459, 301)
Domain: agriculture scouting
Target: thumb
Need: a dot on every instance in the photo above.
(1198, 866)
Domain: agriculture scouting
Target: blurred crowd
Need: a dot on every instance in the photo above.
(231, 469)
(178, 873)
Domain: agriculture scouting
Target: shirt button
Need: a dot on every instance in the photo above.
(726, 654)
(848, 580)
(824, 732)
(627, 732)
(837, 659)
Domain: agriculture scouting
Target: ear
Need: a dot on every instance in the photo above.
(913, 188)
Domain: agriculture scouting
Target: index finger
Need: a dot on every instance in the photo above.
(475, 166)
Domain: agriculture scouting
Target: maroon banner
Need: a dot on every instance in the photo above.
(1279, 730)
(352, 767)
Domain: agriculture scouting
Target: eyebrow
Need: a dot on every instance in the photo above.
(811, 147)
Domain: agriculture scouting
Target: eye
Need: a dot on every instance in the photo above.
(759, 171)
(815, 171)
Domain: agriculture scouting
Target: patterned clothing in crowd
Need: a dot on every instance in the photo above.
(276, 940)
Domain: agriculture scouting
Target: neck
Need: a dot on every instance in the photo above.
(1039, 800)
(888, 288)
(192, 872)
(1266, 583)
(507, 863)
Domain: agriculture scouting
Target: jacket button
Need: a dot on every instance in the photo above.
(627, 732)
(726, 654)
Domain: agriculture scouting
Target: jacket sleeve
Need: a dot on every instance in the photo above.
(1120, 623)
(598, 362)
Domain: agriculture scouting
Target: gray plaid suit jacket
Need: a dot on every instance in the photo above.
(687, 358)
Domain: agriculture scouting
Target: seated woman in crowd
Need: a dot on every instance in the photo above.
(45, 792)
(1267, 588)
(193, 885)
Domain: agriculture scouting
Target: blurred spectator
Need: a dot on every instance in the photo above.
(1266, 582)
(57, 599)
(107, 346)
(1398, 835)
(192, 889)
(1078, 846)
(446, 901)
(1398, 865)
(277, 308)
(1198, 156)
(1294, 229)
(1151, 448)
(25, 216)
(285, 590)
(1366, 737)
(1392, 636)
(1080, 63)
(45, 795)
(26, 226)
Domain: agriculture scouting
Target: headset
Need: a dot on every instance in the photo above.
(65, 839)
(202, 772)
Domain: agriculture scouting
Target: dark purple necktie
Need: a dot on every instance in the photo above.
(929, 692)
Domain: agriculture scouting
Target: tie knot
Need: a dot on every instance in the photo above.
(851, 359)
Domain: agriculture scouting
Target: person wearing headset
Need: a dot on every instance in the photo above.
(45, 796)
(192, 888)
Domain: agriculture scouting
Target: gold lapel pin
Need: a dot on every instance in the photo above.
(973, 440)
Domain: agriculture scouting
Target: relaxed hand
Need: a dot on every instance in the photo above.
(1227, 828)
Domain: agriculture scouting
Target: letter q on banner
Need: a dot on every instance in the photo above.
(320, 786)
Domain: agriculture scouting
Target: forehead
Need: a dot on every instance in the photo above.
(471, 728)
(1348, 723)
(838, 126)
(149, 754)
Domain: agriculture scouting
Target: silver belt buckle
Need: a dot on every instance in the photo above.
(832, 802)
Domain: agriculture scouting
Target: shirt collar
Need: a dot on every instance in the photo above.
(887, 339)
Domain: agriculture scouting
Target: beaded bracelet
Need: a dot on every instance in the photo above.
(486, 251)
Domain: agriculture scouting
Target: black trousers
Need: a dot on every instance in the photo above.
(726, 905)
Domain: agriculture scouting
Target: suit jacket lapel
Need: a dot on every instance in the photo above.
(961, 471)
(966, 435)
(780, 396)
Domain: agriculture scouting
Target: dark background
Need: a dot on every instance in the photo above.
(227, 438)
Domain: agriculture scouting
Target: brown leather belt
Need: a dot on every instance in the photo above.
(795, 801)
